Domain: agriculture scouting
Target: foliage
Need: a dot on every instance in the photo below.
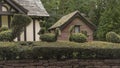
(59, 50)
(57, 32)
(78, 37)
(43, 27)
(109, 20)
(6, 35)
(20, 20)
(59, 8)
(42, 23)
(71, 29)
(85, 33)
(48, 37)
(113, 37)
(3, 29)
(18, 24)
(42, 31)
(101, 12)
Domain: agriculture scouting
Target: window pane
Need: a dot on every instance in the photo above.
(4, 8)
(77, 29)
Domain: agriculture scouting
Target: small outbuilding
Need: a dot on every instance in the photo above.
(80, 23)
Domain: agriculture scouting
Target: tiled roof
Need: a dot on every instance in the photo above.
(34, 7)
(66, 18)
(63, 20)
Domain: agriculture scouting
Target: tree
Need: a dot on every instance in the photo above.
(59, 8)
(110, 19)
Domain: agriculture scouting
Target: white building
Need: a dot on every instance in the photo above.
(32, 8)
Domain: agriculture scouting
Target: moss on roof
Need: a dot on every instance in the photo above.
(66, 18)
(63, 20)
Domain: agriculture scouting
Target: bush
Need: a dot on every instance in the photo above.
(20, 20)
(48, 37)
(42, 31)
(3, 29)
(113, 37)
(59, 50)
(78, 37)
(6, 35)
(18, 24)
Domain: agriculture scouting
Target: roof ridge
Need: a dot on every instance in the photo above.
(34, 7)
(20, 8)
(68, 16)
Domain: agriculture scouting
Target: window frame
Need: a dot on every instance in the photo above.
(4, 7)
(78, 26)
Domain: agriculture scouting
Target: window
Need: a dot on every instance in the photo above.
(4, 8)
(77, 28)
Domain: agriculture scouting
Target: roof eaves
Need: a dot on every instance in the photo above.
(17, 6)
(89, 23)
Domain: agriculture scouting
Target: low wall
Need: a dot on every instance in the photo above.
(88, 63)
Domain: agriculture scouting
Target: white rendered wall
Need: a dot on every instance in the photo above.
(22, 37)
(29, 32)
(4, 21)
(37, 28)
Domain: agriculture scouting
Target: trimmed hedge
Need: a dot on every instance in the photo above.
(19, 22)
(6, 35)
(58, 50)
(113, 37)
(48, 37)
(78, 37)
(3, 29)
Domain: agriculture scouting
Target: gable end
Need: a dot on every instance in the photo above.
(78, 15)
(16, 6)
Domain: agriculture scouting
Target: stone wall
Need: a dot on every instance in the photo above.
(111, 63)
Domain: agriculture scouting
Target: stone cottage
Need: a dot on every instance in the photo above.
(80, 23)
(32, 8)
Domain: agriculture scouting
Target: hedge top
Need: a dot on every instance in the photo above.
(58, 50)
(95, 44)
(87, 45)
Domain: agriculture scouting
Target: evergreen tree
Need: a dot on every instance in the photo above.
(110, 19)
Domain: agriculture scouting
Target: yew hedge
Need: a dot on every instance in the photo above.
(58, 50)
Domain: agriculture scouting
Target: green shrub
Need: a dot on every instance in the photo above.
(42, 31)
(113, 37)
(57, 33)
(78, 37)
(58, 50)
(20, 20)
(48, 37)
(71, 29)
(18, 24)
(6, 35)
(3, 29)
(42, 23)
